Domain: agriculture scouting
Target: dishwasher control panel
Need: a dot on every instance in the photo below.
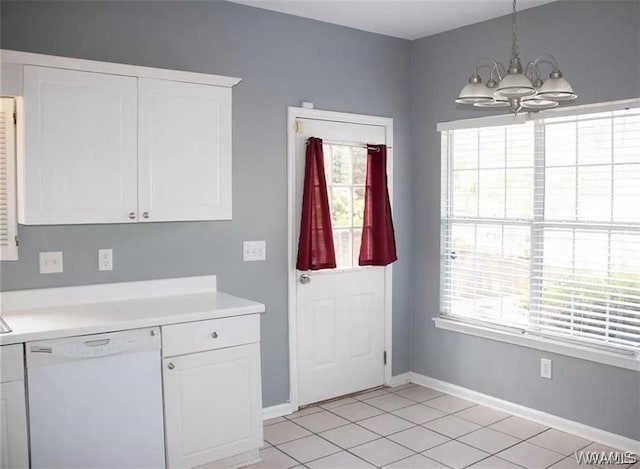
(46, 352)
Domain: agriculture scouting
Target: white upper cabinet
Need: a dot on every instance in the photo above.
(80, 162)
(184, 151)
(113, 143)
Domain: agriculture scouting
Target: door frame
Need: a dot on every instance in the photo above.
(295, 113)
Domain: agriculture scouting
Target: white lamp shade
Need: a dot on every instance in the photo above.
(515, 85)
(474, 93)
(537, 103)
(498, 102)
(557, 89)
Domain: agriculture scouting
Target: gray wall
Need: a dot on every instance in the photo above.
(282, 60)
(598, 46)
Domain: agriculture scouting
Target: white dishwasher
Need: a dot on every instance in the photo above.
(96, 401)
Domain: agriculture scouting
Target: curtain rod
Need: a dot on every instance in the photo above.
(347, 144)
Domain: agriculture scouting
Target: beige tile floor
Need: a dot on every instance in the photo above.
(411, 426)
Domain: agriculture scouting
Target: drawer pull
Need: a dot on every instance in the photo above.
(171, 366)
(214, 335)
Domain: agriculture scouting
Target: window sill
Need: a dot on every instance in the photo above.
(524, 339)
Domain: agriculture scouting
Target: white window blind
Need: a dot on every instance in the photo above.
(8, 223)
(541, 226)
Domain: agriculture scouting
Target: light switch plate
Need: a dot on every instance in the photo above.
(254, 250)
(105, 259)
(51, 262)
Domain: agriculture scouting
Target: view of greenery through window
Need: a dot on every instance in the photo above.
(345, 170)
(541, 226)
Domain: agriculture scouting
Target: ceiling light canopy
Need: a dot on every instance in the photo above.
(515, 87)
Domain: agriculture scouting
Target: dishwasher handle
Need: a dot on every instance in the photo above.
(96, 343)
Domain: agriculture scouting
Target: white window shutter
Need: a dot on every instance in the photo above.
(8, 221)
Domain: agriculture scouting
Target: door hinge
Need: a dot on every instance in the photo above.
(16, 238)
(384, 357)
(299, 127)
(15, 119)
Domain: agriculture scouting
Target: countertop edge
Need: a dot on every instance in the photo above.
(98, 325)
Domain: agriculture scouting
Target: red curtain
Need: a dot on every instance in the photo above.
(315, 246)
(378, 239)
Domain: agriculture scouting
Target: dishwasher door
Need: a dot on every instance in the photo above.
(96, 401)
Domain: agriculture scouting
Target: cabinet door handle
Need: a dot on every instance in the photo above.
(132, 215)
(214, 335)
(171, 366)
(145, 214)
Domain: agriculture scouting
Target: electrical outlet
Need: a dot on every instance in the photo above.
(254, 250)
(545, 368)
(51, 262)
(105, 259)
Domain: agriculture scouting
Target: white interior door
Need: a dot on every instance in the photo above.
(340, 312)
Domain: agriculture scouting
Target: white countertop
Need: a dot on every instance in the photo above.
(68, 320)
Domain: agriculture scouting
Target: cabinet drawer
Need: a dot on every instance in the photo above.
(11, 363)
(198, 336)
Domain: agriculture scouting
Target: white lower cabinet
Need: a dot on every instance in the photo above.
(212, 399)
(14, 452)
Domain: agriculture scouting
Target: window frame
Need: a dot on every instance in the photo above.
(527, 336)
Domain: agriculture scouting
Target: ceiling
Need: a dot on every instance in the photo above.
(407, 19)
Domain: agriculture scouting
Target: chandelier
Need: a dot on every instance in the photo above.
(516, 88)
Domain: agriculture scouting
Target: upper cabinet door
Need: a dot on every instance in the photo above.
(80, 159)
(184, 151)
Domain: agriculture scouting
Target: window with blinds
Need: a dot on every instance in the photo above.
(541, 226)
(8, 222)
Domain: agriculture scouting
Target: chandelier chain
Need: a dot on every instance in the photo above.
(514, 44)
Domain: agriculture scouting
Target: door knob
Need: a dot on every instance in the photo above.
(132, 215)
(171, 366)
(145, 214)
(305, 278)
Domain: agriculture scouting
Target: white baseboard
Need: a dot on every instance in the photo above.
(569, 426)
(400, 379)
(277, 411)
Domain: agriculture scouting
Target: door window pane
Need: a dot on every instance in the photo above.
(341, 164)
(359, 165)
(346, 168)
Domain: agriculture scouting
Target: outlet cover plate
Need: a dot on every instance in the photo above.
(51, 262)
(545, 368)
(105, 259)
(254, 250)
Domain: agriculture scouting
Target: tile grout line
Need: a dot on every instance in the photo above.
(413, 425)
(288, 455)
(380, 437)
(386, 437)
